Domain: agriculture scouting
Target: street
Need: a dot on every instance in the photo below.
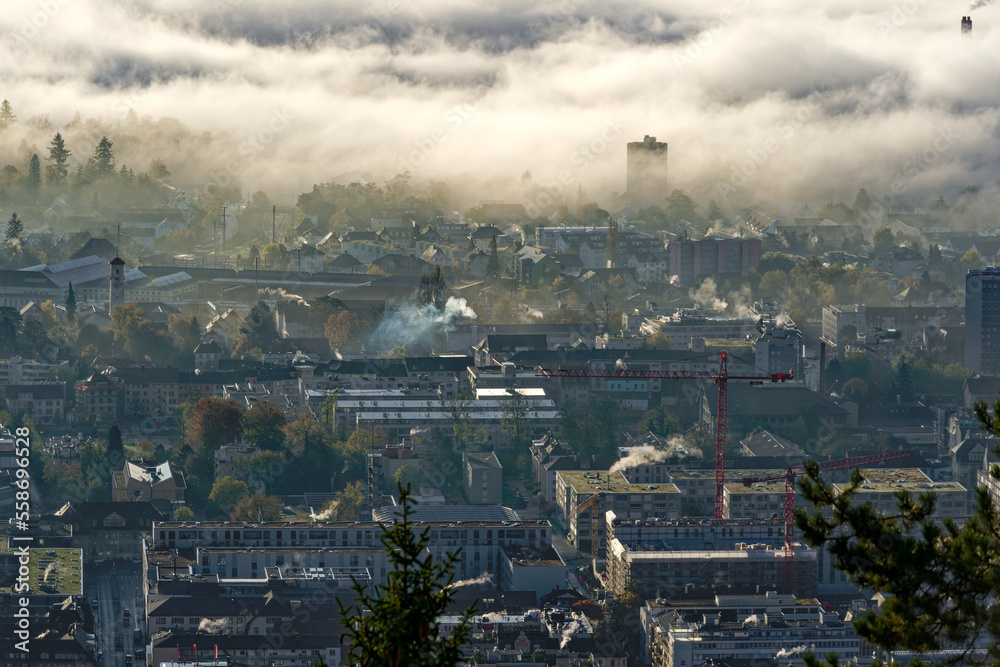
(115, 587)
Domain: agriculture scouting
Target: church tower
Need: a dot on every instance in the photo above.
(117, 283)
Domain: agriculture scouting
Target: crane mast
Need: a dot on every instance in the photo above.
(789, 476)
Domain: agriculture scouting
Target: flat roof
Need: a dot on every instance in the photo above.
(446, 514)
(325, 525)
(587, 482)
(527, 392)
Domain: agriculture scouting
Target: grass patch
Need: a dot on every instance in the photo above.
(52, 571)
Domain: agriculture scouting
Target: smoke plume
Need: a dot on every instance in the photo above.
(484, 579)
(791, 652)
(327, 512)
(706, 297)
(783, 320)
(48, 571)
(740, 302)
(677, 446)
(567, 632)
(419, 325)
(279, 294)
(212, 627)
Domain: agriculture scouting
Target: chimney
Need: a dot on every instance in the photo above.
(966, 24)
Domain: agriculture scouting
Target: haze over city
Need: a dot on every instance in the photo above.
(826, 98)
(457, 333)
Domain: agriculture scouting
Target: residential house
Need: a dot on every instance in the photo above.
(207, 355)
(100, 398)
(483, 478)
(765, 443)
(45, 402)
(139, 481)
(109, 529)
(899, 261)
(345, 263)
(307, 258)
(475, 262)
(495, 348)
(436, 256)
(149, 391)
(395, 263)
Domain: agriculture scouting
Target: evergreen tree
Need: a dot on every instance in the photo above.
(34, 177)
(7, 116)
(680, 207)
(493, 265)
(613, 245)
(861, 204)
(58, 157)
(938, 578)
(103, 162)
(194, 329)
(397, 626)
(70, 304)
(15, 228)
(714, 212)
(116, 450)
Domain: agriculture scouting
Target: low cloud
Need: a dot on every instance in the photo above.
(278, 97)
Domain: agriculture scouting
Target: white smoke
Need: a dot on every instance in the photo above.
(212, 627)
(791, 652)
(741, 302)
(753, 618)
(783, 320)
(327, 512)
(677, 446)
(481, 580)
(567, 632)
(682, 446)
(419, 324)
(706, 297)
(675, 281)
(640, 456)
(48, 571)
(279, 294)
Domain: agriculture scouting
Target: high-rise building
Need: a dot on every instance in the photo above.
(689, 260)
(982, 320)
(646, 172)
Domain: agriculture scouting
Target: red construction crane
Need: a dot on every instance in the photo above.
(789, 476)
(720, 377)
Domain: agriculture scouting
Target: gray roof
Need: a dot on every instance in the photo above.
(764, 443)
(484, 459)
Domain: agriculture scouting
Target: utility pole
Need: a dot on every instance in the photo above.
(274, 214)
(222, 244)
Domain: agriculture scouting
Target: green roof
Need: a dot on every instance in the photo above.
(59, 569)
